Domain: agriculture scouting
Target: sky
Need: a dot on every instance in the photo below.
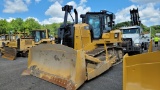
(49, 11)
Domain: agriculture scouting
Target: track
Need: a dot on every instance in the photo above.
(11, 79)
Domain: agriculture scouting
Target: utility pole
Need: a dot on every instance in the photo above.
(150, 33)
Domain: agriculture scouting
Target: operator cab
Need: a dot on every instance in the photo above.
(38, 35)
(100, 22)
(3, 37)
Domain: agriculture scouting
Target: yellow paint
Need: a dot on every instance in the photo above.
(82, 37)
(150, 49)
(73, 64)
(111, 37)
(141, 72)
(25, 43)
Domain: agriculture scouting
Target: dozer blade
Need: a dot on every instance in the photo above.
(9, 53)
(57, 64)
(141, 72)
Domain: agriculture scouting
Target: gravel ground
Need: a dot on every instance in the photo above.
(11, 79)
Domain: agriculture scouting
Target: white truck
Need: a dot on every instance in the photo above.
(134, 40)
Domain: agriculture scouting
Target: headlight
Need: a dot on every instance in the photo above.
(86, 27)
(51, 39)
(116, 35)
(138, 44)
(37, 40)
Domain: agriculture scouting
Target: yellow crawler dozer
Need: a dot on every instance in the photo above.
(81, 51)
(17, 46)
(4, 39)
(21, 45)
(41, 36)
(142, 71)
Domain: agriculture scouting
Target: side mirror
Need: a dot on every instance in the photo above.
(113, 23)
(113, 16)
(82, 15)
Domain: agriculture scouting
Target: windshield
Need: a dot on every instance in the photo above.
(3, 37)
(38, 35)
(95, 23)
(43, 34)
(131, 31)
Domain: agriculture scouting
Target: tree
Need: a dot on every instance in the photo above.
(17, 25)
(145, 28)
(55, 28)
(52, 27)
(31, 24)
(3, 26)
(127, 23)
(155, 29)
(122, 24)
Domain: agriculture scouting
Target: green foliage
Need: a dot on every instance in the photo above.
(3, 26)
(155, 28)
(16, 25)
(122, 24)
(31, 24)
(52, 27)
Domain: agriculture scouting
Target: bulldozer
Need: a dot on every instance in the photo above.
(17, 45)
(4, 39)
(142, 71)
(21, 44)
(41, 36)
(82, 51)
